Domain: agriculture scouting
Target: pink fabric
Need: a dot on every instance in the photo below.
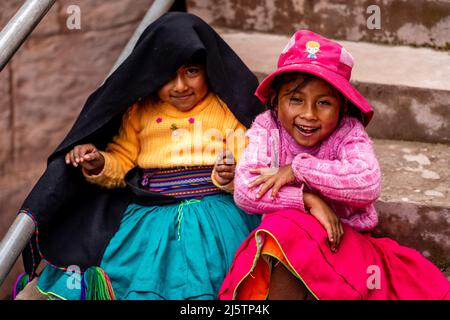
(343, 169)
(312, 53)
(363, 267)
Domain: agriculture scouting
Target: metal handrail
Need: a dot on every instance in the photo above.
(20, 26)
(14, 242)
(23, 226)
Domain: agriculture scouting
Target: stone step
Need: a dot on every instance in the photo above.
(408, 87)
(398, 22)
(414, 206)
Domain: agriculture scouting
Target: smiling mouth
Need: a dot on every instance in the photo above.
(183, 97)
(305, 130)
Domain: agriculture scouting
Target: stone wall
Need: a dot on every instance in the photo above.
(45, 85)
(416, 23)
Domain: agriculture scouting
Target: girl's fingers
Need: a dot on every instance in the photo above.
(275, 189)
(336, 236)
(77, 153)
(265, 186)
(257, 181)
(330, 234)
(332, 237)
(81, 153)
(339, 233)
(91, 156)
(72, 158)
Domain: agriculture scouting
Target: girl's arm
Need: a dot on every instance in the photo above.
(121, 154)
(256, 155)
(353, 179)
(235, 141)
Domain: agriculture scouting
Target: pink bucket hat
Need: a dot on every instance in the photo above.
(311, 53)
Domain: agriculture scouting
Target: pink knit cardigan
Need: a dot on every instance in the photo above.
(342, 169)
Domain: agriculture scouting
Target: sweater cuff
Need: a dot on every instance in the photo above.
(106, 177)
(294, 198)
(229, 187)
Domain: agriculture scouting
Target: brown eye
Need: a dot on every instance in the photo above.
(192, 71)
(324, 102)
(295, 100)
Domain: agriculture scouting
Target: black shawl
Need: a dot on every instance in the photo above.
(76, 219)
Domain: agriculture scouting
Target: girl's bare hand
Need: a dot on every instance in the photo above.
(283, 176)
(224, 168)
(326, 216)
(86, 156)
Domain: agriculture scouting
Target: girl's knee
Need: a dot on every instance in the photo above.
(284, 285)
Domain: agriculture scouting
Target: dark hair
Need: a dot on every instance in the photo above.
(198, 58)
(287, 77)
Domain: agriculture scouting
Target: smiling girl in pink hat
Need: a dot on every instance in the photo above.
(310, 169)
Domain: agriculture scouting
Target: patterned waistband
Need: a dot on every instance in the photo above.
(190, 182)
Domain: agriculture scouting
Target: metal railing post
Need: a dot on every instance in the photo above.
(20, 26)
(14, 242)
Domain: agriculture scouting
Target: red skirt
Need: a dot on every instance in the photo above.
(363, 267)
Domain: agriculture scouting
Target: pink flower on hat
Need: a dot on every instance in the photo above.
(158, 120)
(191, 120)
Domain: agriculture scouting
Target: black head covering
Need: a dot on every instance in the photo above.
(76, 220)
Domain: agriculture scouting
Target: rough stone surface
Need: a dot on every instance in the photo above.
(416, 23)
(5, 119)
(100, 14)
(415, 172)
(408, 113)
(414, 207)
(425, 229)
(52, 79)
(8, 9)
(410, 101)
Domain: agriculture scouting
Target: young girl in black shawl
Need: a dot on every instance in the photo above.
(148, 218)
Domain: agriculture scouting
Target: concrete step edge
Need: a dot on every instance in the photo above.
(374, 63)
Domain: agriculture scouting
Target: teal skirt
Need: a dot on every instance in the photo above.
(177, 251)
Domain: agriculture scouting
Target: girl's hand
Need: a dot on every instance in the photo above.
(88, 157)
(224, 168)
(322, 212)
(284, 175)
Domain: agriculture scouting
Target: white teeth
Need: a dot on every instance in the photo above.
(308, 129)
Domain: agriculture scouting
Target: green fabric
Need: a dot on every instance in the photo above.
(179, 251)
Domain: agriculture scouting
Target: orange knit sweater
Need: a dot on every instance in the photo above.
(161, 136)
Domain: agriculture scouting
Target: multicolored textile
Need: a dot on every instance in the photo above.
(180, 182)
(177, 251)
